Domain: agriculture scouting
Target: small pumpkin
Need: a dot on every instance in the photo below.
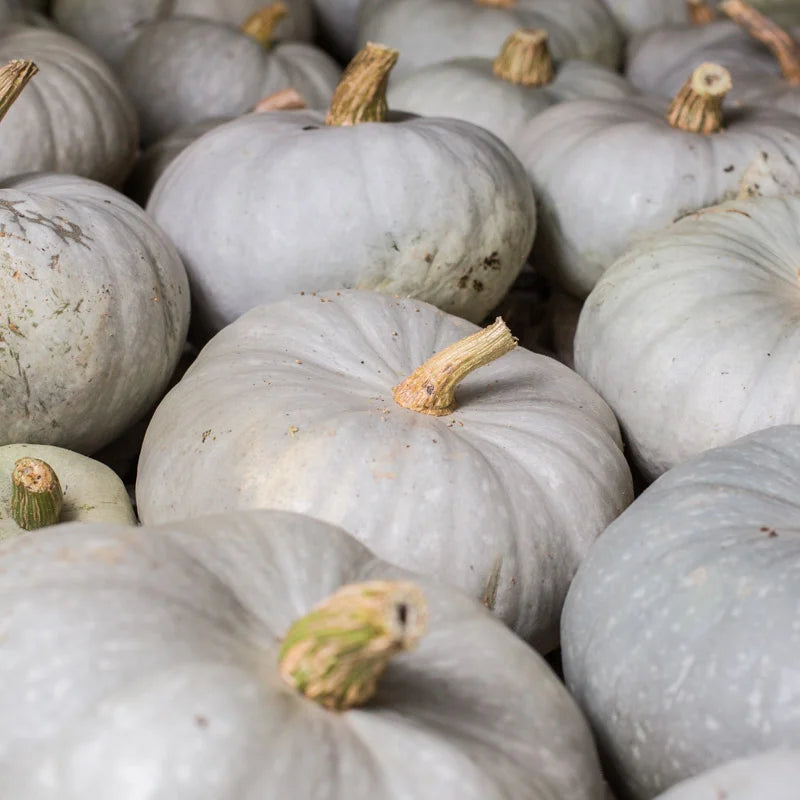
(453, 225)
(293, 407)
(690, 336)
(663, 168)
(679, 635)
(504, 93)
(109, 28)
(184, 648)
(91, 491)
(638, 16)
(183, 70)
(431, 31)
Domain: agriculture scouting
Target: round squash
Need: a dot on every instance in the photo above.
(692, 335)
(109, 28)
(292, 407)
(432, 208)
(431, 31)
(182, 70)
(74, 117)
(177, 644)
(504, 93)
(92, 492)
(337, 23)
(95, 308)
(662, 168)
(679, 635)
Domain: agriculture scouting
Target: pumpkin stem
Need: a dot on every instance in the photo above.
(261, 24)
(283, 100)
(430, 389)
(700, 12)
(497, 3)
(697, 108)
(769, 33)
(525, 59)
(36, 496)
(13, 77)
(360, 95)
(335, 654)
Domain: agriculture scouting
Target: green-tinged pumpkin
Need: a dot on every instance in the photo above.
(165, 663)
(680, 635)
(293, 407)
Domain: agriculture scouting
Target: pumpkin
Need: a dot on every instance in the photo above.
(431, 31)
(679, 635)
(503, 94)
(694, 328)
(337, 24)
(109, 28)
(636, 16)
(433, 208)
(773, 774)
(662, 168)
(91, 491)
(96, 312)
(74, 117)
(292, 407)
(186, 649)
(180, 71)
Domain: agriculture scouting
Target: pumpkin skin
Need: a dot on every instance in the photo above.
(773, 774)
(109, 28)
(431, 31)
(182, 71)
(586, 221)
(454, 224)
(337, 23)
(174, 685)
(74, 117)
(701, 573)
(696, 328)
(487, 491)
(92, 491)
(96, 305)
(467, 89)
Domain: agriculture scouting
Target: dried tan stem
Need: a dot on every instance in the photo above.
(262, 24)
(700, 12)
(525, 59)
(13, 77)
(284, 100)
(697, 108)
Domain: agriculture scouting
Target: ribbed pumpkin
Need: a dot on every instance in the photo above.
(680, 635)
(171, 662)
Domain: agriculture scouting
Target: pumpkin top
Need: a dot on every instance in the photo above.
(336, 653)
(262, 23)
(770, 34)
(361, 93)
(697, 108)
(13, 77)
(700, 12)
(36, 496)
(525, 59)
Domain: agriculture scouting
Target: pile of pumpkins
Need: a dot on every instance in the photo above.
(418, 376)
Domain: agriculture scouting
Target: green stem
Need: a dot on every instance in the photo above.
(430, 389)
(361, 93)
(36, 496)
(13, 77)
(335, 654)
(697, 108)
(525, 59)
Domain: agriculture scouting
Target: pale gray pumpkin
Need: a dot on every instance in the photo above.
(291, 407)
(680, 635)
(279, 202)
(692, 335)
(92, 491)
(774, 775)
(181, 70)
(337, 24)
(608, 172)
(163, 677)
(94, 311)
(470, 89)
(109, 27)
(431, 31)
(73, 116)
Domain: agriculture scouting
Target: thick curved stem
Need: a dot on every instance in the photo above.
(36, 496)
(13, 77)
(360, 95)
(525, 59)
(262, 24)
(430, 389)
(697, 108)
(335, 654)
(769, 33)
